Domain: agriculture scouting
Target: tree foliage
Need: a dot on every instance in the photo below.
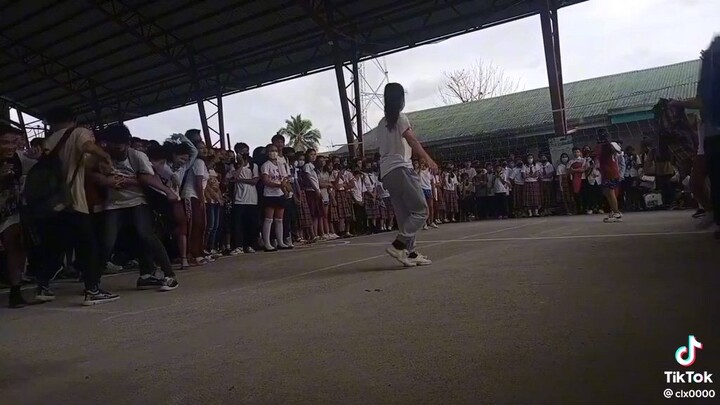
(479, 81)
(300, 133)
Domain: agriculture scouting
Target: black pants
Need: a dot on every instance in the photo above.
(360, 224)
(68, 230)
(245, 225)
(712, 156)
(483, 206)
(140, 219)
(501, 205)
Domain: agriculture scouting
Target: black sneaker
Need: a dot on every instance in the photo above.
(44, 294)
(149, 282)
(99, 296)
(169, 284)
(16, 300)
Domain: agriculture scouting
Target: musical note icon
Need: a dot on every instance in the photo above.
(685, 355)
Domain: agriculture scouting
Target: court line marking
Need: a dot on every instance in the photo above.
(292, 276)
(530, 238)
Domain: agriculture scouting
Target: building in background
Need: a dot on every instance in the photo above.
(522, 122)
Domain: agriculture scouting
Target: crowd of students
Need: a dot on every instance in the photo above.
(90, 201)
(181, 204)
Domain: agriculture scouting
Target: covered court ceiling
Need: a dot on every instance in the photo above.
(128, 58)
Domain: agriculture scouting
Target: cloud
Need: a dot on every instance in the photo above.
(597, 38)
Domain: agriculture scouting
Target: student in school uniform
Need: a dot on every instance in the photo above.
(438, 199)
(388, 215)
(244, 177)
(358, 191)
(325, 182)
(370, 199)
(343, 184)
(564, 185)
(547, 187)
(312, 193)
(518, 185)
(489, 186)
(501, 187)
(531, 175)
(578, 180)
(450, 182)
(426, 182)
(276, 187)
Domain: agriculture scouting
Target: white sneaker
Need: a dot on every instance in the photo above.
(425, 227)
(288, 243)
(616, 217)
(434, 225)
(706, 222)
(400, 255)
(418, 260)
(112, 268)
(236, 252)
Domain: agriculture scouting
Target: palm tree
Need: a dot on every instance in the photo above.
(301, 134)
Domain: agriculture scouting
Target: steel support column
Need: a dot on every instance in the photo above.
(21, 121)
(357, 100)
(204, 122)
(345, 107)
(221, 122)
(551, 40)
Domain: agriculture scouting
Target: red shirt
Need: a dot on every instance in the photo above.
(606, 156)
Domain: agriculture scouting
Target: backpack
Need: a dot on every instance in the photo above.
(47, 191)
(709, 85)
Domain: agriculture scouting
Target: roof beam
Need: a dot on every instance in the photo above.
(50, 69)
(132, 22)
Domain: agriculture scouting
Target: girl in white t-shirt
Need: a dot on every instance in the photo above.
(274, 184)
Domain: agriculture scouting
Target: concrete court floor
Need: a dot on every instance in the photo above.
(562, 310)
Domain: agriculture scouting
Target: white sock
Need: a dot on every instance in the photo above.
(279, 232)
(266, 232)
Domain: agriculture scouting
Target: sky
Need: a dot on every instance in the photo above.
(597, 38)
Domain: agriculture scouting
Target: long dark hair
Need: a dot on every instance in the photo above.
(394, 103)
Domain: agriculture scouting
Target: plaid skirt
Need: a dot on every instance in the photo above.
(372, 208)
(548, 194)
(333, 209)
(315, 204)
(304, 216)
(440, 203)
(531, 193)
(344, 205)
(451, 202)
(386, 210)
(518, 195)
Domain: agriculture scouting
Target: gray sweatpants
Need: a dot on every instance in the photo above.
(408, 202)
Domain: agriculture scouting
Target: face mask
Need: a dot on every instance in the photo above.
(564, 160)
(273, 155)
(300, 163)
(530, 160)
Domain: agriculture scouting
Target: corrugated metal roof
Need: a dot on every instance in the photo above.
(129, 58)
(524, 110)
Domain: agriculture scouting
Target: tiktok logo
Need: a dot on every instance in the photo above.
(685, 355)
